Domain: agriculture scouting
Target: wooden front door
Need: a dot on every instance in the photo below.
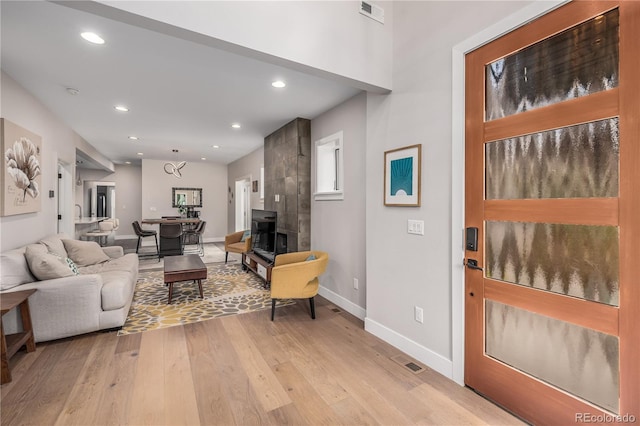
(552, 305)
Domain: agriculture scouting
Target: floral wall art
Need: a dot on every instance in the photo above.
(21, 175)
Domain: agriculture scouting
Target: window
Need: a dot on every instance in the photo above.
(329, 168)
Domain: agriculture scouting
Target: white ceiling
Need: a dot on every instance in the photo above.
(181, 95)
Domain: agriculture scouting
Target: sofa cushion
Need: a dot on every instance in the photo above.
(54, 245)
(85, 253)
(128, 262)
(45, 265)
(14, 269)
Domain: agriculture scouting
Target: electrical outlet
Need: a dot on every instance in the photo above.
(418, 314)
(355, 283)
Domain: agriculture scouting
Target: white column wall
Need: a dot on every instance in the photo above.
(338, 227)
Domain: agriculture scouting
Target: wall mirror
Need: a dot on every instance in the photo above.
(190, 197)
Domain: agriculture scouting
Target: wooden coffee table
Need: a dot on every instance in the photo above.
(184, 268)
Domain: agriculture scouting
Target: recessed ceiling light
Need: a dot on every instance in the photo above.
(236, 125)
(202, 158)
(92, 37)
(133, 138)
(279, 84)
(121, 108)
(216, 146)
(127, 162)
(140, 153)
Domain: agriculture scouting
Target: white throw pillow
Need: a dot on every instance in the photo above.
(54, 245)
(45, 265)
(85, 253)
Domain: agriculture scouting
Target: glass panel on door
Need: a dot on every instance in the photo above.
(577, 62)
(574, 260)
(573, 358)
(571, 162)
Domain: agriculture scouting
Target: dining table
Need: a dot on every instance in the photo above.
(171, 245)
(159, 221)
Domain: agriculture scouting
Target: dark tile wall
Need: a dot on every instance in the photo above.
(287, 172)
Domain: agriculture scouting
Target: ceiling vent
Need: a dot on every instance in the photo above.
(372, 11)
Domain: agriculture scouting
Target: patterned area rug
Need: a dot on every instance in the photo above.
(228, 290)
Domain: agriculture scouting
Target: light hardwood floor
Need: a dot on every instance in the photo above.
(237, 370)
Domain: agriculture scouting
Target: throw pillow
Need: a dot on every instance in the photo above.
(72, 266)
(245, 235)
(54, 245)
(311, 257)
(14, 269)
(85, 253)
(45, 265)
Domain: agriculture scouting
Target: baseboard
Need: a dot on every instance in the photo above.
(340, 301)
(214, 240)
(126, 237)
(432, 359)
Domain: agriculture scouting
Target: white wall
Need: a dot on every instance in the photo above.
(338, 227)
(331, 37)
(128, 179)
(405, 270)
(212, 178)
(58, 142)
(249, 165)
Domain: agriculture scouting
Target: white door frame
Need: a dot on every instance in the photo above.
(243, 203)
(508, 24)
(65, 199)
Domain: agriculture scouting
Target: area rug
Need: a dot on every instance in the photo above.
(228, 290)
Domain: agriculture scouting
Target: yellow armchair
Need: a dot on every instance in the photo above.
(233, 244)
(295, 277)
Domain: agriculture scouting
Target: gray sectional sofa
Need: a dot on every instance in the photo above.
(82, 287)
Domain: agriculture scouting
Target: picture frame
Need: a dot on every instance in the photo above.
(402, 176)
(21, 180)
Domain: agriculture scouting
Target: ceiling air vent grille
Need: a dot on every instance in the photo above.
(372, 11)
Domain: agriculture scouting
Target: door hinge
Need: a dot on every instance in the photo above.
(59, 175)
(59, 217)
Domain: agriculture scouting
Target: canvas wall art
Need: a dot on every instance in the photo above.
(21, 174)
(402, 176)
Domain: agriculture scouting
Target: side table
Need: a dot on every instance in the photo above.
(12, 342)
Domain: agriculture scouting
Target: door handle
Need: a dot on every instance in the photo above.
(473, 264)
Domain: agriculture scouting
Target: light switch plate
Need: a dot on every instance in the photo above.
(415, 227)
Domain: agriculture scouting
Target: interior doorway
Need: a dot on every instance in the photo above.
(550, 294)
(65, 199)
(243, 203)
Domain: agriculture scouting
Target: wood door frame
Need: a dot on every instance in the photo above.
(532, 394)
(506, 25)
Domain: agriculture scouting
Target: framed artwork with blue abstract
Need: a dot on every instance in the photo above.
(402, 176)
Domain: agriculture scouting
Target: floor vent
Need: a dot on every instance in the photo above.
(336, 310)
(411, 365)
